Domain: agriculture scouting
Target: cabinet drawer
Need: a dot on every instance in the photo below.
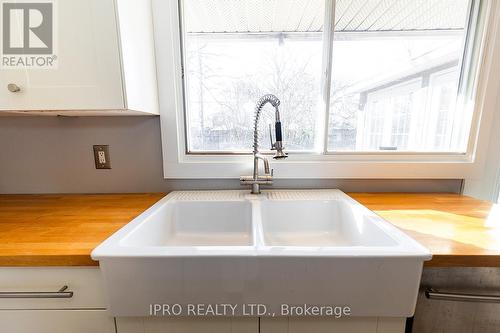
(56, 321)
(84, 282)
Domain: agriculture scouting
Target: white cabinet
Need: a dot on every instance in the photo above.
(264, 325)
(80, 312)
(56, 321)
(332, 325)
(85, 311)
(85, 283)
(104, 63)
(187, 325)
(8, 99)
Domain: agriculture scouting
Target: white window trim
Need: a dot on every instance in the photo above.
(178, 164)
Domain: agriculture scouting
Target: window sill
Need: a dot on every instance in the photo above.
(325, 166)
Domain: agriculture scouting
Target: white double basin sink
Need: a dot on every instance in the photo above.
(314, 247)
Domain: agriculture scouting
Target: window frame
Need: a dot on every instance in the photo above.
(179, 163)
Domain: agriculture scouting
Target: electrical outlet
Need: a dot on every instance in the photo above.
(101, 157)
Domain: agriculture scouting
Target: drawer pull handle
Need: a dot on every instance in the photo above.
(459, 297)
(61, 293)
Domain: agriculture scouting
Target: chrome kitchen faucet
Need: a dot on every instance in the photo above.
(267, 179)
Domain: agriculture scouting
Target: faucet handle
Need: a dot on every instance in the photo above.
(273, 147)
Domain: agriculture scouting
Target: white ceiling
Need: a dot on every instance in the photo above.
(235, 16)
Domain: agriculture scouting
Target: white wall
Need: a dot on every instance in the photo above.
(54, 155)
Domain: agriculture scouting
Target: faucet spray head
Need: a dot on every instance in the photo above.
(280, 154)
(278, 145)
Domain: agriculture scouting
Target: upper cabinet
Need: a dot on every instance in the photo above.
(78, 57)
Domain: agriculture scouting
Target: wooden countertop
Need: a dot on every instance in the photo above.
(62, 230)
(458, 230)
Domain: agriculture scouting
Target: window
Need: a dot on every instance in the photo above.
(395, 74)
(387, 118)
(368, 88)
(237, 51)
(388, 52)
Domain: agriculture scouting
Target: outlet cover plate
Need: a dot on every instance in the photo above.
(101, 157)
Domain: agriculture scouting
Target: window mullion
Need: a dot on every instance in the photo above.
(323, 117)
